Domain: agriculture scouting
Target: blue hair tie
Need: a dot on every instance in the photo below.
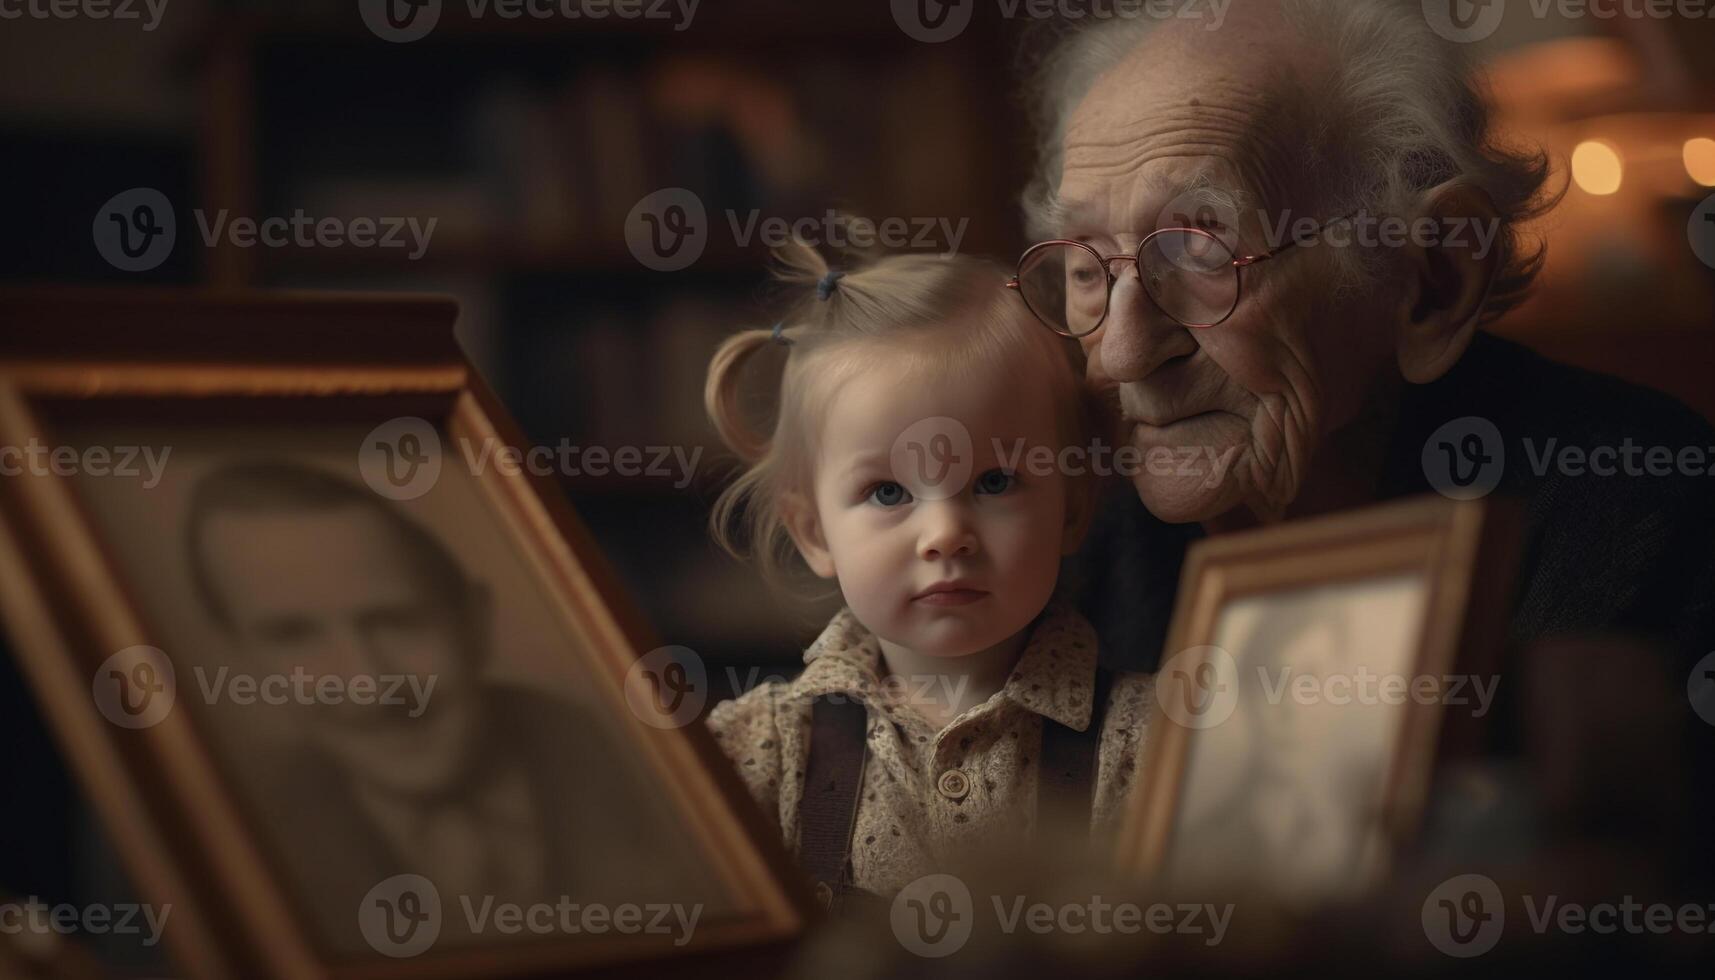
(779, 337)
(825, 287)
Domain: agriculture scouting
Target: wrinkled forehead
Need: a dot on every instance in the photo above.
(1183, 120)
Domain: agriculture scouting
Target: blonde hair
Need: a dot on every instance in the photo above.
(766, 391)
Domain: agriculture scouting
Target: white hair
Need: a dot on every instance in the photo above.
(1394, 110)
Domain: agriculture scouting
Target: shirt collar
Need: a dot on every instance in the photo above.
(1054, 676)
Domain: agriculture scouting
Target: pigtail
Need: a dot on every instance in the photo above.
(722, 394)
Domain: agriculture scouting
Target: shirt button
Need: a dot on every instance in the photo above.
(953, 784)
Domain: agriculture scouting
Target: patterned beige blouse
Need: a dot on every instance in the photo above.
(928, 794)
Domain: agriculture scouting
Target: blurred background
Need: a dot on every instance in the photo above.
(530, 142)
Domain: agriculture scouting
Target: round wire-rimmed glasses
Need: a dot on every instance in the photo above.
(1189, 273)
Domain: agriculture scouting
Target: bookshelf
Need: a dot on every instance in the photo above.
(529, 141)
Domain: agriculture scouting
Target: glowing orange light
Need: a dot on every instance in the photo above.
(1596, 167)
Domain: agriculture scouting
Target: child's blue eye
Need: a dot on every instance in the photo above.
(888, 494)
(994, 481)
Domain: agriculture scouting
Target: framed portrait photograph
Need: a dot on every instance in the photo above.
(1312, 673)
(350, 696)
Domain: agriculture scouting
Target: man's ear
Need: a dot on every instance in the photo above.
(799, 515)
(1447, 280)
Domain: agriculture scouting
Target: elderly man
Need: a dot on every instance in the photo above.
(1287, 141)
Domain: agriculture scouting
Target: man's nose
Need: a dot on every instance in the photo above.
(1137, 337)
(947, 530)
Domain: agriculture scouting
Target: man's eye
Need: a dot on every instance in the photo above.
(994, 481)
(888, 494)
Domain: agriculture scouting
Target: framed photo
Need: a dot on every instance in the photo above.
(1312, 671)
(351, 701)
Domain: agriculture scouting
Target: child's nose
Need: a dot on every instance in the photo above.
(947, 532)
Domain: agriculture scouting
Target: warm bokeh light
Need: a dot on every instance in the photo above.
(1700, 160)
(1596, 167)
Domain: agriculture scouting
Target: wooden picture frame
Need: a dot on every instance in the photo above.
(1444, 568)
(179, 824)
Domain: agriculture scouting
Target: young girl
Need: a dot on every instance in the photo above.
(914, 455)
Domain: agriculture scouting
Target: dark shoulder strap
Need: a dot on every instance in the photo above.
(1066, 781)
(833, 776)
